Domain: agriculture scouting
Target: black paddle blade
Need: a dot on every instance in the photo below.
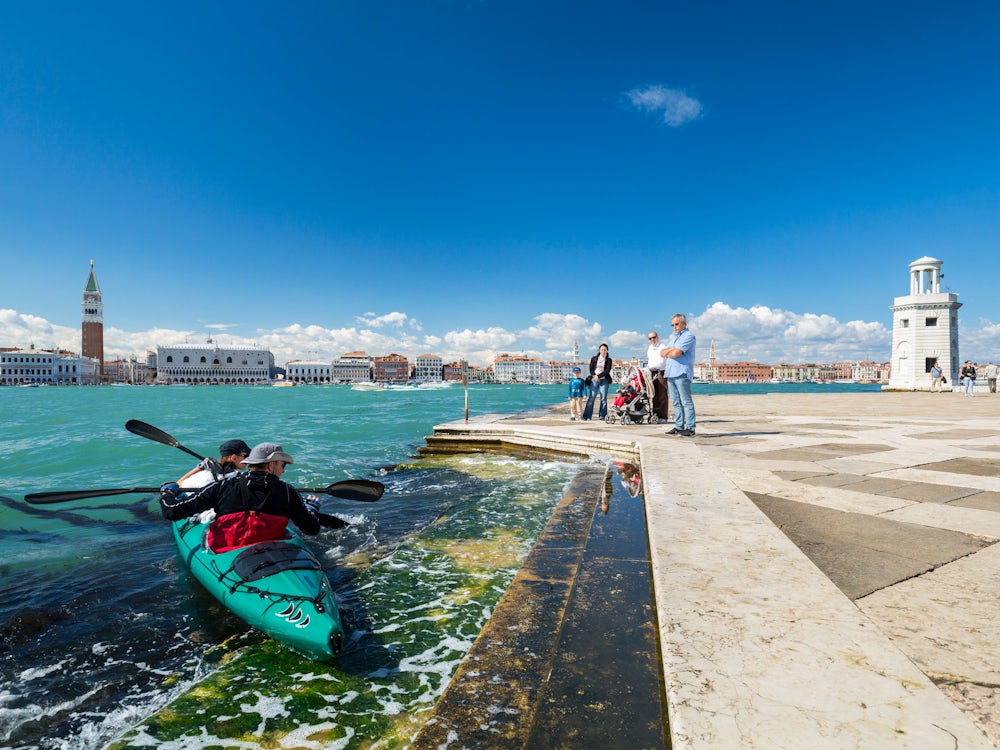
(331, 522)
(359, 490)
(149, 432)
(43, 498)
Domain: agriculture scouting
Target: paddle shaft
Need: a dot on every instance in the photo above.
(59, 496)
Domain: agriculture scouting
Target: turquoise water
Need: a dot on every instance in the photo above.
(100, 629)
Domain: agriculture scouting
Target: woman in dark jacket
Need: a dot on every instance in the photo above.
(599, 380)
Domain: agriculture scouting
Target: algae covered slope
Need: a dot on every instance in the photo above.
(412, 607)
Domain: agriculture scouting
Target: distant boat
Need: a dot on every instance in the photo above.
(366, 386)
(436, 384)
(282, 384)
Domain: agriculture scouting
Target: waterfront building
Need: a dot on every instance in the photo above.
(127, 370)
(92, 326)
(352, 367)
(27, 366)
(453, 371)
(869, 372)
(307, 371)
(429, 368)
(393, 368)
(510, 368)
(213, 365)
(924, 329)
(561, 372)
(742, 372)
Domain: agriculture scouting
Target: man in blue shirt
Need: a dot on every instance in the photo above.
(678, 353)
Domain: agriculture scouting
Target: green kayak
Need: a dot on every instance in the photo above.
(279, 588)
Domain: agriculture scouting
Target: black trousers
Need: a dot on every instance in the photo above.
(661, 399)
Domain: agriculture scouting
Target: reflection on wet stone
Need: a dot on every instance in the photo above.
(569, 657)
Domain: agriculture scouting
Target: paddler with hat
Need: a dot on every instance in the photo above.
(249, 508)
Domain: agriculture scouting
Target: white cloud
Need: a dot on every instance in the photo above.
(675, 106)
(758, 333)
(561, 331)
(393, 319)
(772, 335)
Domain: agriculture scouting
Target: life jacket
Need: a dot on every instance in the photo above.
(246, 527)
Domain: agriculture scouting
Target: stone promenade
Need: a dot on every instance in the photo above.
(825, 566)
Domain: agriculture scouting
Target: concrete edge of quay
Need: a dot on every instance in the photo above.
(759, 647)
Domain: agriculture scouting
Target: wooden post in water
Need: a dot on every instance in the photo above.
(465, 385)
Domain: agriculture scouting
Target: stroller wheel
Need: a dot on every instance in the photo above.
(610, 418)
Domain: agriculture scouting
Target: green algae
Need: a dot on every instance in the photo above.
(412, 613)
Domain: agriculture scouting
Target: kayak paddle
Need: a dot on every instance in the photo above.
(43, 498)
(359, 490)
(349, 489)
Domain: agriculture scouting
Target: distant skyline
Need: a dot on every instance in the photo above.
(474, 178)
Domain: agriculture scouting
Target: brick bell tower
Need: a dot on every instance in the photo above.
(92, 328)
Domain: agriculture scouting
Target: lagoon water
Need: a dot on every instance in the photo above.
(106, 641)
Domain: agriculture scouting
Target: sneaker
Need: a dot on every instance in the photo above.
(675, 431)
(687, 433)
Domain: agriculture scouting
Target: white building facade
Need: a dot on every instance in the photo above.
(305, 371)
(514, 369)
(924, 329)
(26, 366)
(429, 368)
(352, 367)
(215, 365)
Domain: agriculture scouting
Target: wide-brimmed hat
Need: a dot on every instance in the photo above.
(266, 452)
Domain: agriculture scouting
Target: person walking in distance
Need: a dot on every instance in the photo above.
(991, 377)
(678, 352)
(935, 377)
(656, 362)
(969, 378)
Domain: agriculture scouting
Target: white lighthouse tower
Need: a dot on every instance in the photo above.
(924, 329)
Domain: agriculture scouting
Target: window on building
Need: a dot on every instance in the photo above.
(170, 358)
(187, 359)
(930, 322)
(905, 323)
(929, 363)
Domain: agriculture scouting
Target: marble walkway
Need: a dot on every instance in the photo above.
(825, 566)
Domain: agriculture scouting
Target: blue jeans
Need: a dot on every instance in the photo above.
(595, 388)
(970, 387)
(679, 389)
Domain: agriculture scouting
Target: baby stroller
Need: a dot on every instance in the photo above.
(633, 403)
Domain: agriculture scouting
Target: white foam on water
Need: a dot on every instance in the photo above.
(267, 707)
(33, 674)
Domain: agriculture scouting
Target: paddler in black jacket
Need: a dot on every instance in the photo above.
(249, 508)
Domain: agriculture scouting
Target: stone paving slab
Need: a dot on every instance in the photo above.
(862, 554)
(922, 492)
(819, 452)
(981, 500)
(980, 467)
(955, 633)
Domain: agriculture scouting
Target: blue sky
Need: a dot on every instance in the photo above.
(475, 177)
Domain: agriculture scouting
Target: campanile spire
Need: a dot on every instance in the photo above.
(92, 327)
